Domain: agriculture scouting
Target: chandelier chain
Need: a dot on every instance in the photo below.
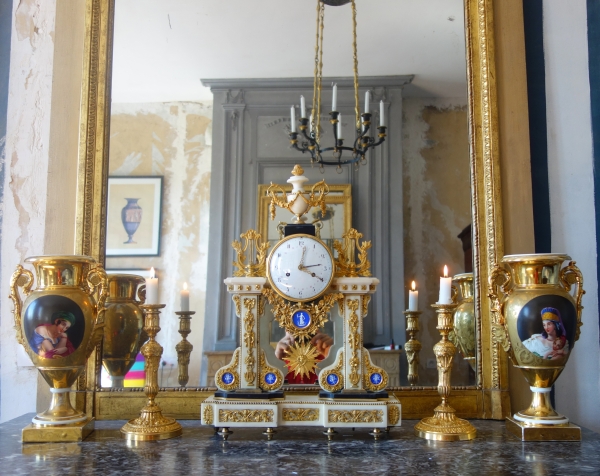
(316, 108)
(354, 48)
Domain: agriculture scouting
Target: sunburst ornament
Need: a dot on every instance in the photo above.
(302, 359)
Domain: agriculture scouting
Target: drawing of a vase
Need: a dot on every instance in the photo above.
(131, 216)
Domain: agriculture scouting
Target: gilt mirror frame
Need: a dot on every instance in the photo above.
(489, 398)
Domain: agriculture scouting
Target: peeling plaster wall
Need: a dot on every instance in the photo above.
(174, 140)
(25, 181)
(435, 154)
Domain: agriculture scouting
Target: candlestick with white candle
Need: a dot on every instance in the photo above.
(185, 298)
(152, 288)
(339, 127)
(334, 98)
(302, 107)
(413, 298)
(445, 288)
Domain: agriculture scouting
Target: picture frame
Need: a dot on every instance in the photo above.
(134, 215)
(143, 272)
(338, 217)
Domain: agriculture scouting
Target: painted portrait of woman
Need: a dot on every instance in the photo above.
(51, 341)
(551, 343)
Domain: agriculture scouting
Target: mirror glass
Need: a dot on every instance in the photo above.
(161, 145)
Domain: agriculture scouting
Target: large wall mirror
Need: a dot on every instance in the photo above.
(192, 153)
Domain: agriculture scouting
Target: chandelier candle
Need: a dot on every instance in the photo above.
(334, 99)
(339, 127)
(381, 114)
(302, 107)
(293, 118)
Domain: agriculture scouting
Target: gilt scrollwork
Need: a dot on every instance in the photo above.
(257, 251)
(345, 264)
(283, 311)
(337, 371)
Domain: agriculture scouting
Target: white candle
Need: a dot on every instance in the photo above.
(381, 115)
(445, 288)
(185, 298)
(293, 115)
(413, 298)
(339, 127)
(302, 107)
(367, 97)
(334, 100)
(152, 288)
(311, 121)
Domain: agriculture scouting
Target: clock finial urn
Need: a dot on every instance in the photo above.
(298, 201)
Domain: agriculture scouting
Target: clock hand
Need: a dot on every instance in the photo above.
(301, 265)
(303, 268)
(312, 265)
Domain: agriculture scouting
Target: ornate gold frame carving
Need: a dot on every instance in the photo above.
(490, 397)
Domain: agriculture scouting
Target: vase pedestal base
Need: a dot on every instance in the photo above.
(58, 433)
(526, 432)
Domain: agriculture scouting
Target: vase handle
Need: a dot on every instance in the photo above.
(97, 283)
(141, 294)
(21, 278)
(569, 276)
(454, 294)
(499, 285)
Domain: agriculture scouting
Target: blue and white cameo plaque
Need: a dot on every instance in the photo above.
(301, 319)
(332, 379)
(227, 378)
(270, 378)
(375, 378)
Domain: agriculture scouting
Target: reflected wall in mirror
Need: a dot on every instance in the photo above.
(161, 124)
(150, 85)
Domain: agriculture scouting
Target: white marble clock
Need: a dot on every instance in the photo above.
(300, 268)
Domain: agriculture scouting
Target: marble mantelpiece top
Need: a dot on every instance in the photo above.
(295, 451)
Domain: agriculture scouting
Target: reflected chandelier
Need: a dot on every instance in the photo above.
(311, 139)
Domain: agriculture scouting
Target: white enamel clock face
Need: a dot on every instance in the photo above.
(300, 268)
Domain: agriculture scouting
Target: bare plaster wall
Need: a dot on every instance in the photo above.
(25, 182)
(435, 154)
(171, 139)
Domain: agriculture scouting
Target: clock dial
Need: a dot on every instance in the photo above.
(300, 268)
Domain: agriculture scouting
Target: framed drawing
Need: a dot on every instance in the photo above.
(336, 222)
(143, 272)
(133, 216)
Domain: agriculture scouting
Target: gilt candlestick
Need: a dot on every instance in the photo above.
(413, 346)
(184, 348)
(151, 424)
(444, 425)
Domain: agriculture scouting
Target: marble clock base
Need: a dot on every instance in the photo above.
(298, 410)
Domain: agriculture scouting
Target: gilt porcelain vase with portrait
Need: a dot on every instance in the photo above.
(59, 324)
(536, 318)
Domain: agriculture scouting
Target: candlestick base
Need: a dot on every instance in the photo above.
(151, 425)
(445, 426)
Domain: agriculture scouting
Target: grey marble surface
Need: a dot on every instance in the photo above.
(295, 451)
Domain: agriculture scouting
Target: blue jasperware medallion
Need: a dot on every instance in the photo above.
(227, 378)
(332, 379)
(375, 378)
(301, 319)
(270, 378)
